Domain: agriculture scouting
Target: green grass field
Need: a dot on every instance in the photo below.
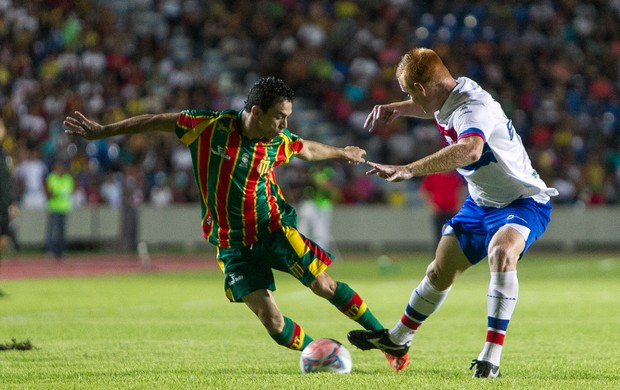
(178, 331)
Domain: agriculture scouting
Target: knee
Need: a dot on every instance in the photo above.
(324, 286)
(438, 279)
(441, 278)
(501, 258)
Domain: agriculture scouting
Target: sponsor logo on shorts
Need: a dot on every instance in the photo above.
(512, 216)
(233, 278)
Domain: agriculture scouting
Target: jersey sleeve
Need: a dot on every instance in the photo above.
(191, 123)
(470, 121)
(292, 144)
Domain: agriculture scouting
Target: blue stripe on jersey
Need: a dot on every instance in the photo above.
(416, 315)
(486, 158)
(497, 323)
(473, 131)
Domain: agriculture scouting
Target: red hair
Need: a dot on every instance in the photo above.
(421, 65)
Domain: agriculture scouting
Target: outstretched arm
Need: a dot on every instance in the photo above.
(386, 113)
(78, 124)
(315, 151)
(465, 152)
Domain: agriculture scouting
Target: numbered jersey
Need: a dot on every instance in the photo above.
(504, 172)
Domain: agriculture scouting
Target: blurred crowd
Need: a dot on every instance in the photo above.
(553, 65)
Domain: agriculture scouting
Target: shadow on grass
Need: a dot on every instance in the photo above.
(16, 345)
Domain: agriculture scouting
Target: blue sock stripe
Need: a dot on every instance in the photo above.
(497, 323)
(416, 315)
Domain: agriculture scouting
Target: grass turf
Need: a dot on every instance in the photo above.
(177, 330)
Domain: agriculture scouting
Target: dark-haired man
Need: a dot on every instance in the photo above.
(244, 213)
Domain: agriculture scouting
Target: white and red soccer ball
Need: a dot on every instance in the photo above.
(325, 355)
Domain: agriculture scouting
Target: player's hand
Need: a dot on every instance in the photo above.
(78, 124)
(389, 172)
(381, 115)
(354, 154)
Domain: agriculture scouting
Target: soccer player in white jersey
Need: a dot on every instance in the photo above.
(506, 211)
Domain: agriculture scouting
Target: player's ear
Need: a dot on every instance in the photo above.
(256, 111)
(419, 88)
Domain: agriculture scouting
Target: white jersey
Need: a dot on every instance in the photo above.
(504, 172)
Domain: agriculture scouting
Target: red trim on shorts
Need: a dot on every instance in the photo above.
(319, 253)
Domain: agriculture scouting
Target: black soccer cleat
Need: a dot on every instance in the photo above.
(485, 369)
(377, 339)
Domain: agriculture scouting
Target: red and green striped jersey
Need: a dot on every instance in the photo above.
(240, 199)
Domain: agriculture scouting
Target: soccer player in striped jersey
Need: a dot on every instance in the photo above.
(244, 213)
(506, 211)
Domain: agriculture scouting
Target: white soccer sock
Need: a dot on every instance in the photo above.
(501, 301)
(424, 301)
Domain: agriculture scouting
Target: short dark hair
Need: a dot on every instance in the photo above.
(266, 92)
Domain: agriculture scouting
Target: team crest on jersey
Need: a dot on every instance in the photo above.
(263, 166)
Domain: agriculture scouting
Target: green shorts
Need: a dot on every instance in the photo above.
(251, 268)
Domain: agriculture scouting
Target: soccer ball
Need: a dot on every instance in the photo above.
(325, 355)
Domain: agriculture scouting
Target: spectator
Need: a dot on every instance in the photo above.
(60, 186)
(315, 211)
(8, 197)
(161, 193)
(133, 197)
(443, 193)
(112, 190)
(31, 173)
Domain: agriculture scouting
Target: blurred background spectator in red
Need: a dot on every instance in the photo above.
(444, 193)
